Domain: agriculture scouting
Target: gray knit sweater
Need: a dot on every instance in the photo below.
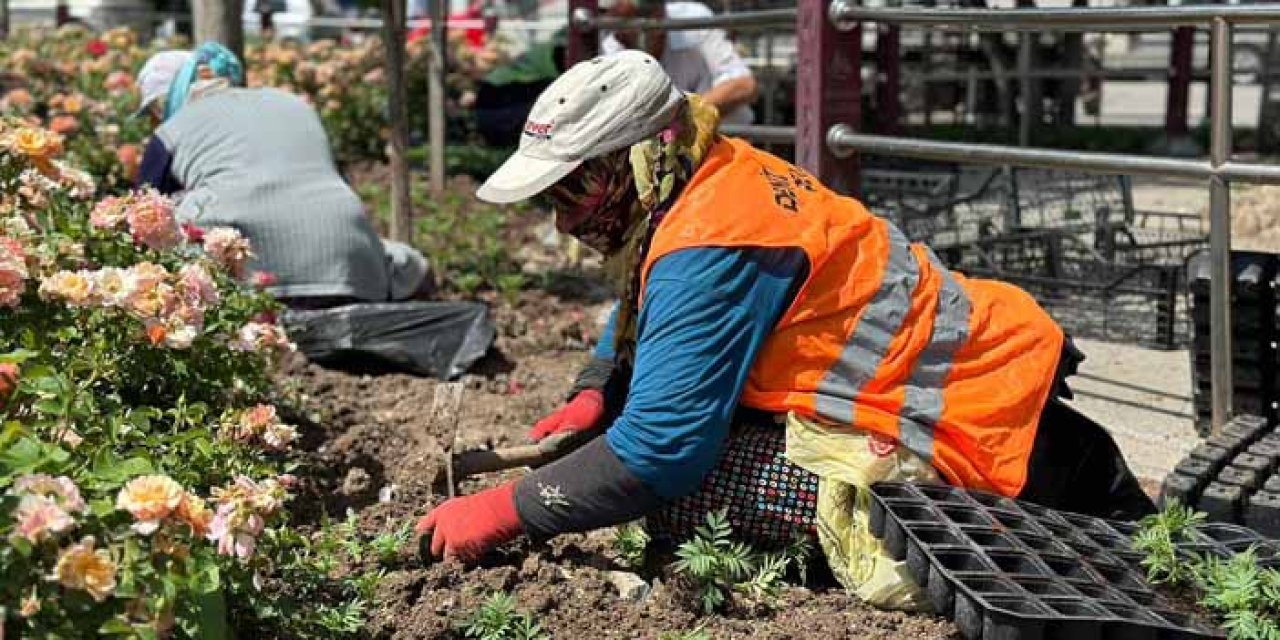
(258, 160)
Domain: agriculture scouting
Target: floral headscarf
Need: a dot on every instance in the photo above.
(211, 68)
(628, 193)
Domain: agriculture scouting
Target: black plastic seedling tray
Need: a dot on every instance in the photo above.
(1009, 570)
(1233, 476)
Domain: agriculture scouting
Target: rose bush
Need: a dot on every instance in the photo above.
(83, 87)
(143, 463)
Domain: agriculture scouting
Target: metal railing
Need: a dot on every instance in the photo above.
(1217, 171)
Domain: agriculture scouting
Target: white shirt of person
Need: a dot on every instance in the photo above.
(697, 60)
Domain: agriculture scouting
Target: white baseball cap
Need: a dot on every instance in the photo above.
(598, 106)
(157, 76)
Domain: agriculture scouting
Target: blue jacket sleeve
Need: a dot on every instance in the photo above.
(706, 314)
(156, 168)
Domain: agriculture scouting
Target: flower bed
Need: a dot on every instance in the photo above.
(143, 464)
(82, 86)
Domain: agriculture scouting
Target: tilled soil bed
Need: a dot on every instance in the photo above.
(374, 450)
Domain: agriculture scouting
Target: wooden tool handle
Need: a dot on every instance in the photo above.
(551, 448)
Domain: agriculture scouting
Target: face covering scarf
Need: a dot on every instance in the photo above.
(602, 194)
(629, 193)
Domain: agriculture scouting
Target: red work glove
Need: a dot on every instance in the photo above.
(465, 528)
(582, 413)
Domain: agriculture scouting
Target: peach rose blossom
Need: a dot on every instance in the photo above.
(149, 499)
(82, 567)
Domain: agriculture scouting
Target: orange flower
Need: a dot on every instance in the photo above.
(156, 333)
(149, 499)
(81, 567)
(194, 513)
(130, 157)
(36, 144)
(63, 125)
(73, 104)
(9, 373)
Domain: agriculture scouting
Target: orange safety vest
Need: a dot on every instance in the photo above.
(881, 336)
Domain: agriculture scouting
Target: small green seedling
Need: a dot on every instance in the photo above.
(386, 546)
(1158, 538)
(631, 541)
(1243, 595)
(498, 619)
(718, 567)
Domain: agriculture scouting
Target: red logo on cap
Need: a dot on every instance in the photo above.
(538, 129)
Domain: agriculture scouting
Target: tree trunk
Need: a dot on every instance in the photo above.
(4, 19)
(435, 93)
(220, 21)
(393, 39)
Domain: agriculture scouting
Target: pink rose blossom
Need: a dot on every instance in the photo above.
(262, 337)
(263, 279)
(13, 272)
(228, 248)
(60, 489)
(193, 233)
(279, 436)
(118, 82)
(196, 287)
(39, 517)
(152, 223)
(109, 213)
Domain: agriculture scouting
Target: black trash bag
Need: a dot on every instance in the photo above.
(436, 339)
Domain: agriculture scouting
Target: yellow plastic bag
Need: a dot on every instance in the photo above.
(847, 462)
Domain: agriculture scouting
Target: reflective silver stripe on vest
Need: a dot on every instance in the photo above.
(923, 404)
(878, 325)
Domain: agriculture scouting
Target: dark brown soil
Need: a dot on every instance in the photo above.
(375, 432)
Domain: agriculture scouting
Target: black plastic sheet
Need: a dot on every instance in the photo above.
(436, 339)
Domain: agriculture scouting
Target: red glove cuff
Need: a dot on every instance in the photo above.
(582, 413)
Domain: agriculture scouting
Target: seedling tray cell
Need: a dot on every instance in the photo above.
(1012, 618)
(1072, 568)
(1240, 477)
(1221, 502)
(1259, 464)
(1263, 511)
(1006, 570)
(966, 515)
(1018, 562)
(1180, 488)
(943, 494)
(1041, 544)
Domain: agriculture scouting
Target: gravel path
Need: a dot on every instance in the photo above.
(1143, 397)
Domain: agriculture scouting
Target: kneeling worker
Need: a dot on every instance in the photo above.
(776, 349)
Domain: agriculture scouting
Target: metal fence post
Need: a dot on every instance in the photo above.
(1180, 63)
(1220, 224)
(584, 43)
(889, 78)
(828, 91)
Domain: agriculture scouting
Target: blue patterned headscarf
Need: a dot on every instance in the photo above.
(212, 62)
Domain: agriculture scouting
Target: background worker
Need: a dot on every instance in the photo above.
(702, 62)
(258, 160)
(776, 347)
(506, 94)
